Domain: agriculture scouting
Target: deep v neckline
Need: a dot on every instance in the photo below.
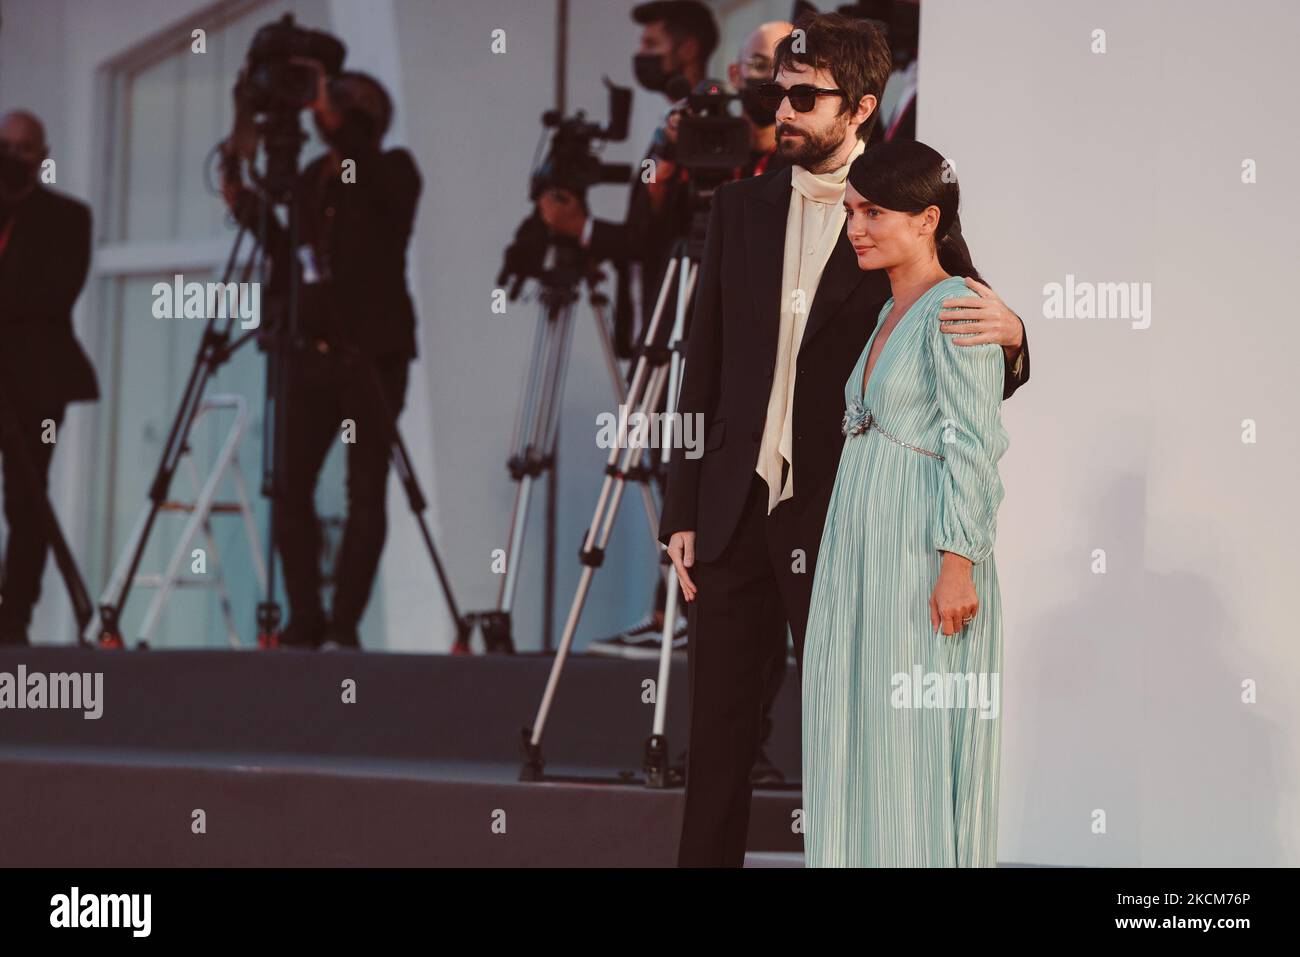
(868, 374)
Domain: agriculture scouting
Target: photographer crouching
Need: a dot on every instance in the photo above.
(355, 207)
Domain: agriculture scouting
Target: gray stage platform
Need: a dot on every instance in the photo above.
(421, 770)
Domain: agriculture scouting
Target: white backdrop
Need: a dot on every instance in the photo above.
(1124, 689)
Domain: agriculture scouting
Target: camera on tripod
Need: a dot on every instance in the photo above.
(711, 142)
(571, 163)
(711, 145)
(273, 82)
(273, 88)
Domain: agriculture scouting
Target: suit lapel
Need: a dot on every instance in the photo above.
(766, 211)
(840, 277)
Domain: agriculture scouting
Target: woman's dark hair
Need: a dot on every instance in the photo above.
(855, 52)
(908, 177)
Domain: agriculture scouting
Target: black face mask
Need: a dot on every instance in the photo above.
(762, 116)
(648, 68)
(15, 175)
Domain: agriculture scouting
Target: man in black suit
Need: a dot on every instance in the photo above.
(743, 553)
(44, 257)
(356, 209)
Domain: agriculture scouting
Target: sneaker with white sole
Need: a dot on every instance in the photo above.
(641, 641)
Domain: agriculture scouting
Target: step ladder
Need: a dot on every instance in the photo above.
(200, 510)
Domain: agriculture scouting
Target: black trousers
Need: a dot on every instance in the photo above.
(759, 579)
(28, 544)
(323, 391)
(777, 667)
(774, 677)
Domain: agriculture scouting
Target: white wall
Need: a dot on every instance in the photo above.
(1123, 690)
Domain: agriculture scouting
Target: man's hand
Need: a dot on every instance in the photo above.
(321, 105)
(681, 549)
(663, 151)
(562, 212)
(993, 321)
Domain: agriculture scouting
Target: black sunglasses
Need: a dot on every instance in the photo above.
(803, 96)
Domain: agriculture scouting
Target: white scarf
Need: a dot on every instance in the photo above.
(811, 230)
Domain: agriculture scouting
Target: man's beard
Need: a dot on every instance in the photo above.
(810, 148)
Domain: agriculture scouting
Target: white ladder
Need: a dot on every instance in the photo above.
(200, 512)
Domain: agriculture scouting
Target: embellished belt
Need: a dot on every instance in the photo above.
(859, 419)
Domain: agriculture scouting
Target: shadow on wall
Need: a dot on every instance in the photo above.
(1144, 667)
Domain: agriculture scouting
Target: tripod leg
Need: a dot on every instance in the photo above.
(648, 385)
(592, 556)
(212, 352)
(406, 471)
(535, 450)
(656, 757)
(657, 771)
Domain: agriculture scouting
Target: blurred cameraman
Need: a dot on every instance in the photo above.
(356, 337)
(677, 39)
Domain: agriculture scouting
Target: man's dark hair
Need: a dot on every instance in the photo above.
(378, 109)
(854, 52)
(682, 19)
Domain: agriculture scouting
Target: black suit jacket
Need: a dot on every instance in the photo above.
(731, 355)
(361, 230)
(42, 271)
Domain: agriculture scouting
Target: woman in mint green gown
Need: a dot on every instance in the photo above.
(903, 655)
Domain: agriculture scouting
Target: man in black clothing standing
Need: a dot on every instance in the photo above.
(44, 257)
(741, 560)
(348, 368)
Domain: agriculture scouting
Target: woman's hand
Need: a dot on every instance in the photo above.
(953, 603)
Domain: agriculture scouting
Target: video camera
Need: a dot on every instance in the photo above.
(711, 142)
(272, 90)
(571, 163)
(711, 145)
(272, 82)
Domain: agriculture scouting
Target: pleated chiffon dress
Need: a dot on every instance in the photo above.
(893, 777)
